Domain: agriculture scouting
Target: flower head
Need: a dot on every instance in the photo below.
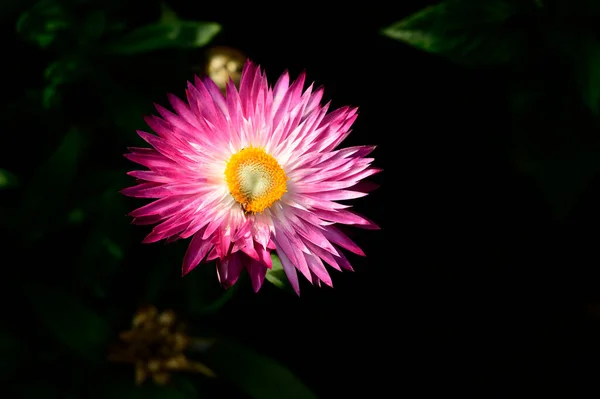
(251, 172)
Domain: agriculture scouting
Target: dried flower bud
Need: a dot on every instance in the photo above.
(156, 345)
(224, 63)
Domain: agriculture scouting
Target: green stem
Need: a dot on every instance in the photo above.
(222, 300)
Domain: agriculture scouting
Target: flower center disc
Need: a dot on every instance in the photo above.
(255, 179)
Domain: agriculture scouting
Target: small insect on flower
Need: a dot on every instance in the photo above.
(250, 172)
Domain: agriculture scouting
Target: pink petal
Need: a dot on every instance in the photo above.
(229, 270)
(140, 191)
(160, 207)
(291, 244)
(337, 195)
(146, 220)
(248, 249)
(257, 271)
(290, 270)
(150, 159)
(149, 175)
(264, 256)
(346, 217)
(318, 268)
(337, 237)
(197, 250)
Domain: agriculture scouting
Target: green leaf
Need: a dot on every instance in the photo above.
(65, 70)
(42, 22)
(7, 179)
(276, 275)
(471, 32)
(76, 326)
(51, 97)
(164, 35)
(76, 216)
(258, 376)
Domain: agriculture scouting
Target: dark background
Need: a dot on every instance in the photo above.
(483, 278)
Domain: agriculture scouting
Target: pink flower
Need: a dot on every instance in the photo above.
(250, 173)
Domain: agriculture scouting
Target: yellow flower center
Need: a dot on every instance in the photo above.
(255, 179)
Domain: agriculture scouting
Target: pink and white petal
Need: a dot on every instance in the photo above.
(318, 269)
(324, 255)
(247, 247)
(217, 97)
(343, 262)
(290, 270)
(150, 159)
(337, 195)
(264, 256)
(149, 175)
(261, 231)
(326, 205)
(163, 206)
(346, 217)
(334, 235)
(196, 252)
(364, 186)
(159, 190)
(292, 246)
(281, 87)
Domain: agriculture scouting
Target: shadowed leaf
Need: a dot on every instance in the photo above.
(471, 32)
(7, 179)
(42, 22)
(164, 35)
(204, 293)
(258, 376)
(76, 326)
